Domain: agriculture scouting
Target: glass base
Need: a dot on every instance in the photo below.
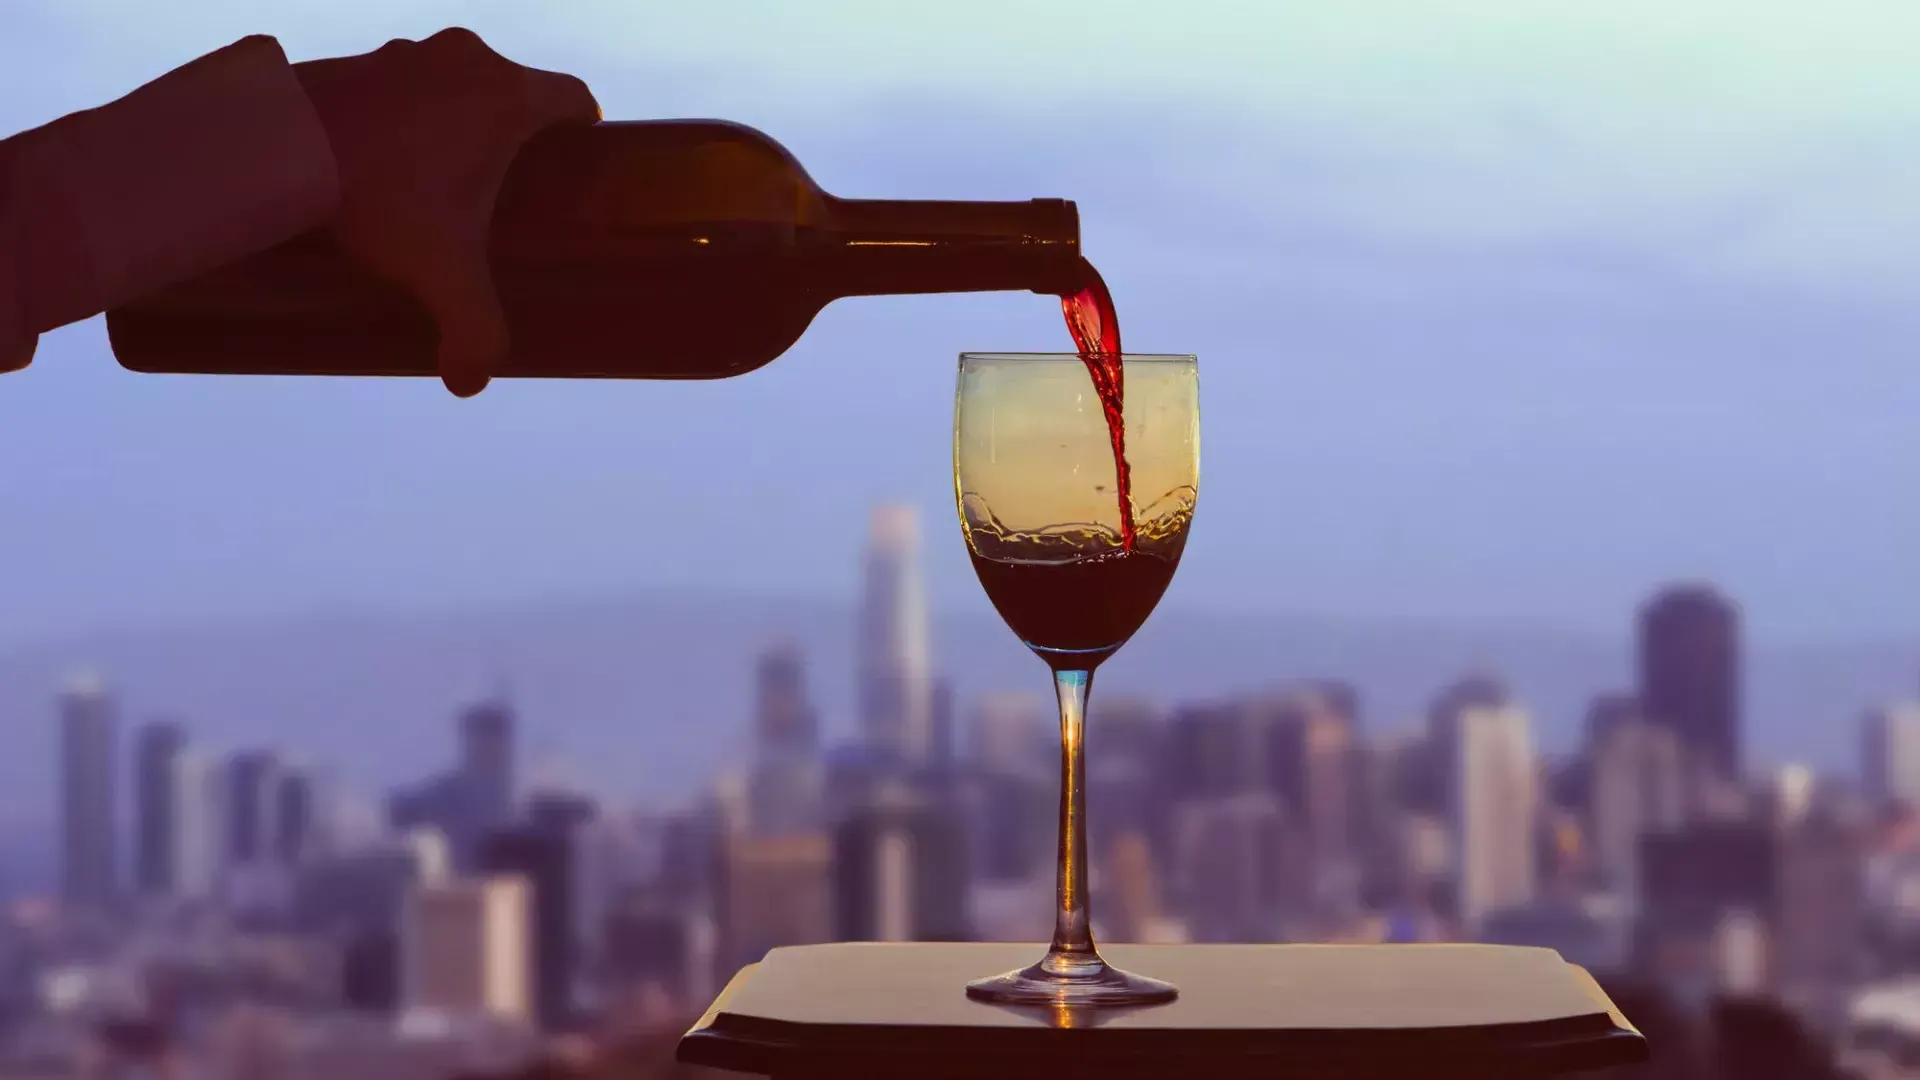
(1071, 979)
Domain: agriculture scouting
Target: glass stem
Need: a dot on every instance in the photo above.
(1073, 949)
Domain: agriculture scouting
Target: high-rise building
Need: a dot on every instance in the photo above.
(1374, 816)
(1125, 789)
(593, 856)
(1422, 849)
(900, 871)
(1308, 747)
(943, 749)
(1236, 869)
(785, 723)
(157, 796)
(1690, 676)
(652, 945)
(895, 664)
(785, 791)
(543, 857)
(88, 806)
(253, 797)
(293, 817)
(1131, 727)
(1437, 790)
(692, 848)
(1890, 753)
(359, 891)
(1130, 903)
(1212, 750)
(431, 853)
(1010, 733)
(1340, 698)
(1790, 796)
(1636, 787)
(465, 949)
(198, 796)
(486, 763)
(561, 811)
(1692, 880)
(773, 891)
(474, 797)
(1820, 952)
(1014, 818)
(1494, 807)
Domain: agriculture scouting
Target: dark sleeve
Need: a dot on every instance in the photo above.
(16, 341)
(205, 165)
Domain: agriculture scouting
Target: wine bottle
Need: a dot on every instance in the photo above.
(677, 249)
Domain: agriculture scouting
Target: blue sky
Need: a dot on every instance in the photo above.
(1504, 310)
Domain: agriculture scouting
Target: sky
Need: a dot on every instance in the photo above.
(1505, 311)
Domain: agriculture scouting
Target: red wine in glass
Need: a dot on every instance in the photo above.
(1077, 613)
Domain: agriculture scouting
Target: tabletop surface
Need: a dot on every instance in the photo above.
(1330, 1006)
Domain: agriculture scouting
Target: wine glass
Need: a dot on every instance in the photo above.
(1036, 474)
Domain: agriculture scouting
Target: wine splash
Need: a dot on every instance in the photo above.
(1096, 335)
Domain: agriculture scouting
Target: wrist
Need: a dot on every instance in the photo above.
(56, 283)
(17, 336)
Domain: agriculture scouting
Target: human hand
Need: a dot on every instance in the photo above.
(423, 133)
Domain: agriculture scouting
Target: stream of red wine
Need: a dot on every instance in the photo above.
(1096, 335)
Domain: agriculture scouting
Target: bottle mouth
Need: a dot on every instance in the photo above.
(1057, 221)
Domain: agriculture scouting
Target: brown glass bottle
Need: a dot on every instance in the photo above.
(678, 249)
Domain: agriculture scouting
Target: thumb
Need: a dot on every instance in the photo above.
(16, 353)
(456, 286)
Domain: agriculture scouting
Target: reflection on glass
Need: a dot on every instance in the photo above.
(1035, 478)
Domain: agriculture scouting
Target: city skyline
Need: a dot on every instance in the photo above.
(1687, 637)
(488, 905)
(1164, 661)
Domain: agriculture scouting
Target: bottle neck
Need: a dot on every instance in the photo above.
(897, 246)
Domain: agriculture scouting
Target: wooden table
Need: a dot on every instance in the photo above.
(1339, 1012)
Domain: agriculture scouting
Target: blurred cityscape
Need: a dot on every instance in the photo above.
(221, 916)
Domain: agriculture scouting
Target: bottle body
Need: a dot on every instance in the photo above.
(655, 249)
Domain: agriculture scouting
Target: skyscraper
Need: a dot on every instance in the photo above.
(1690, 676)
(466, 951)
(88, 822)
(1011, 734)
(1308, 747)
(486, 761)
(544, 858)
(771, 892)
(1890, 753)
(1212, 749)
(942, 748)
(1234, 872)
(895, 676)
(157, 799)
(1478, 691)
(1125, 789)
(1015, 800)
(785, 792)
(1636, 787)
(784, 722)
(293, 818)
(252, 802)
(194, 862)
(1693, 880)
(1494, 803)
(900, 871)
(474, 797)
